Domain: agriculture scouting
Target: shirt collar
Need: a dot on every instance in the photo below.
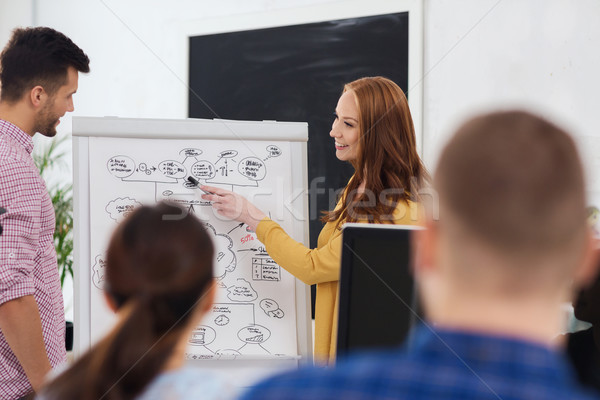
(477, 349)
(17, 134)
(430, 336)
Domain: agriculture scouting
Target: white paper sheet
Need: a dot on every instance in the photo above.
(254, 313)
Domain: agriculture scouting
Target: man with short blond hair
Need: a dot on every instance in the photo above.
(493, 272)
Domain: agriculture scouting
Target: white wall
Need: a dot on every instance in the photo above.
(479, 54)
(538, 54)
(138, 57)
(12, 14)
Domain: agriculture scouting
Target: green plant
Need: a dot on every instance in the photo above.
(47, 158)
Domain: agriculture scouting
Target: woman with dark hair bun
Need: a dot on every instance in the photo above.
(159, 280)
(373, 130)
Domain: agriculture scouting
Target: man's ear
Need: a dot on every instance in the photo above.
(588, 269)
(208, 297)
(112, 304)
(37, 96)
(205, 303)
(423, 245)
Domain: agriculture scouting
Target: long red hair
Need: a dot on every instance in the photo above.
(387, 160)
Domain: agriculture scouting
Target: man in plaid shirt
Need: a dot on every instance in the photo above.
(493, 273)
(38, 77)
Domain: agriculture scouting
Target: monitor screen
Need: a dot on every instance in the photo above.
(378, 300)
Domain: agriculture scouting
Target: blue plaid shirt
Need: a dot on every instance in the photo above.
(440, 364)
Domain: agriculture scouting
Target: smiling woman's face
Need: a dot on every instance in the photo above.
(345, 128)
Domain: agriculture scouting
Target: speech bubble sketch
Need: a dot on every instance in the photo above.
(202, 335)
(241, 291)
(268, 305)
(228, 154)
(203, 169)
(273, 151)
(189, 152)
(271, 308)
(120, 166)
(254, 334)
(225, 257)
(121, 207)
(98, 270)
(172, 169)
(252, 168)
(222, 320)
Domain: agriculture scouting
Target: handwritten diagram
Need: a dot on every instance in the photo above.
(254, 310)
(229, 168)
(215, 338)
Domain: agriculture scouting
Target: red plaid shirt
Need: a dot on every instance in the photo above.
(27, 255)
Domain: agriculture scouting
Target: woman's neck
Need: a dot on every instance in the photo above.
(361, 187)
(177, 358)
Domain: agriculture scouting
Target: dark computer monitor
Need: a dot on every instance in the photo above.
(378, 300)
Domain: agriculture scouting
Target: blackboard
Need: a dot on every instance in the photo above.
(297, 73)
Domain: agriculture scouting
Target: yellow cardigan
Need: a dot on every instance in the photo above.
(321, 266)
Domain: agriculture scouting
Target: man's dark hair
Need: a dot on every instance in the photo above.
(38, 56)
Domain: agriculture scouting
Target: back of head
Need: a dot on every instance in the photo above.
(37, 56)
(158, 269)
(513, 183)
(154, 255)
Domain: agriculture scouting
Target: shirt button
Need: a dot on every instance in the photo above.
(11, 255)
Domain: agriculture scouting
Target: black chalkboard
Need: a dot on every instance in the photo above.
(297, 73)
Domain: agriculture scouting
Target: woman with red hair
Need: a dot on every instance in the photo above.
(373, 130)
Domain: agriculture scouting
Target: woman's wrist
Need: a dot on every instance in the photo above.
(254, 217)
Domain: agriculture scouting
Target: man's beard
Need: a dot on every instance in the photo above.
(45, 121)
